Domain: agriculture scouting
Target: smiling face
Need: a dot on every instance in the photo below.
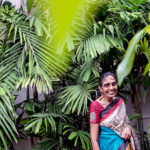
(109, 87)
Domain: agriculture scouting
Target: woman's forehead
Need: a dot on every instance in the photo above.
(109, 78)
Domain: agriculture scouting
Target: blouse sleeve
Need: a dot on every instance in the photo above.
(126, 119)
(94, 113)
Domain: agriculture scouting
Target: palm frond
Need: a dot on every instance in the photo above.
(7, 115)
(97, 45)
(74, 98)
(48, 144)
(46, 120)
(35, 58)
(88, 69)
(78, 136)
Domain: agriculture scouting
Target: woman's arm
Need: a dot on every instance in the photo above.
(94, 132)
(126, 133)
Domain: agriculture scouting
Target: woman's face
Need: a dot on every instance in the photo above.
(109, 87)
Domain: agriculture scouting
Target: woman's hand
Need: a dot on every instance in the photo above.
(126, 133)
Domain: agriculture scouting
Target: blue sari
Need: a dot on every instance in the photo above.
(113, 120)
(110, 140)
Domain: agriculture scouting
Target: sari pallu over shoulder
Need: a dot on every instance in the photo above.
(113, 120)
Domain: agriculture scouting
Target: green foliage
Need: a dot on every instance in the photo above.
(8, 130)
(25, 58)
(28, 56)
(75, 98)
(78, 136)
(48, 144)
(125, 66)
(30, 4)
(129, 11)
(144, 48)
(97, 39)
(87, 70)
(96, 45)
(39, 119)
(133, 116)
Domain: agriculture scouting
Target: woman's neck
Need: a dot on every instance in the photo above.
(108, 99)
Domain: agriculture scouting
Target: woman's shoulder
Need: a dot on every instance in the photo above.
(96, 104)
(119, 99)
(95, 109)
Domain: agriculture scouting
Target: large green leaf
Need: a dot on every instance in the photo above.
(126, 64)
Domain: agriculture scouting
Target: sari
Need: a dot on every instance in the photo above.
(113, 119)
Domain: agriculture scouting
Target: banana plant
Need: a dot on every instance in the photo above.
(126, 64)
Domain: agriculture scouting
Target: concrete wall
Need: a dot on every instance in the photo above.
(146, 112)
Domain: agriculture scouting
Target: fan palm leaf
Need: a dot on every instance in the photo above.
(78, 135)
(74, 98)
(46, 120)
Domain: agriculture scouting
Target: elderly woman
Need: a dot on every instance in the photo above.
(109, 124)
